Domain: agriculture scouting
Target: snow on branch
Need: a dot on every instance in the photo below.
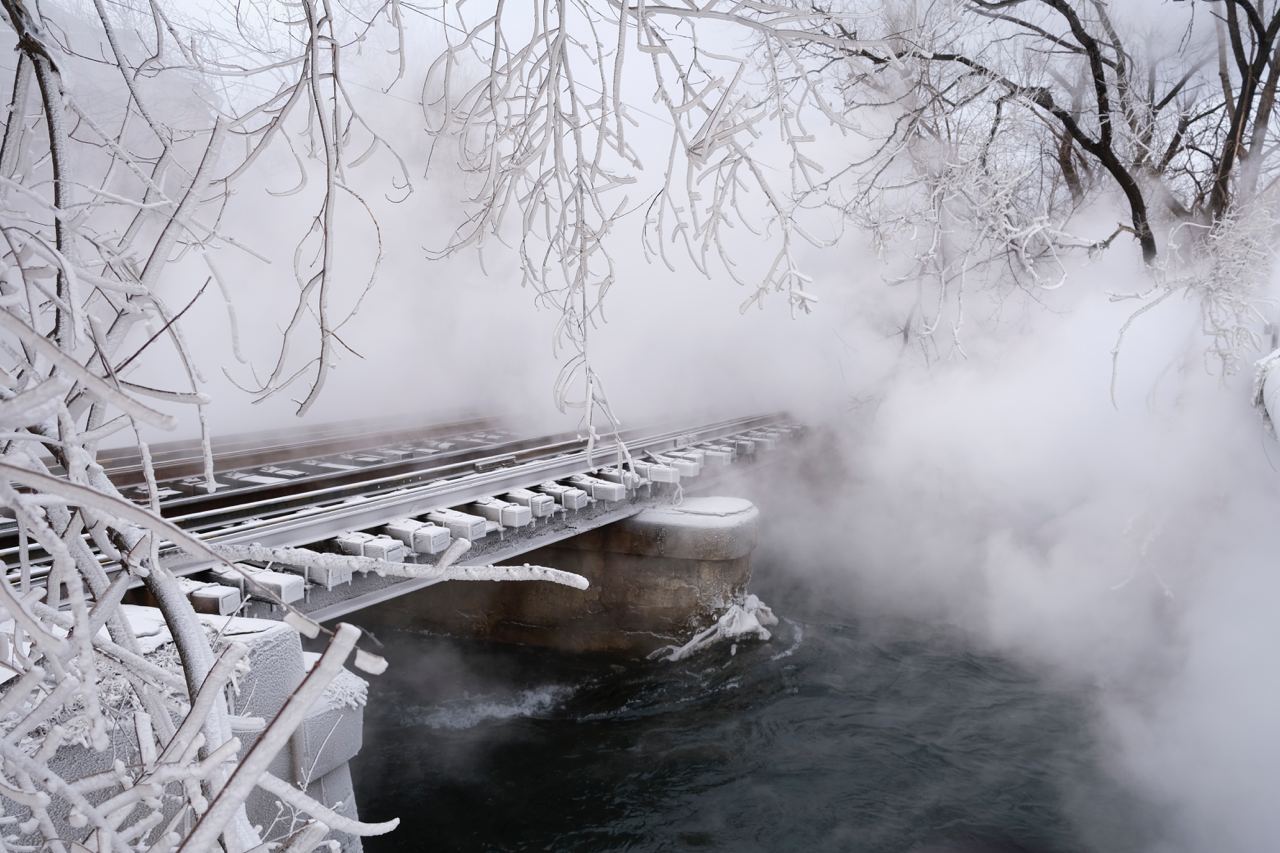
(974, 142)
(749, 619)
(303, 558)
(114, 182)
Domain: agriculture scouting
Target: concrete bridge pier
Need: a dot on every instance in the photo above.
(656, 578)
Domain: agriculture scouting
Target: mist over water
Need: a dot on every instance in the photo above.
(1015, 611)
(840, 734)
(1102, 526)
(1113, 559)
(1027, 569)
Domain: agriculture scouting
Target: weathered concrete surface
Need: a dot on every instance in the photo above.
(656, 579)
(320, 748)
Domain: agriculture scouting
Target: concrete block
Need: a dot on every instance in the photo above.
(384, 548)
(718, 455)
(402, 529)
(336, 791)
(460, 525)
(276, 666)
(568, 497)
(329, 737)
(333, 731)
(287, 587)
(540, 506)
(630, 480)
(702, 528)
(213, 598)
(686, 467)
(325, 576)
(504, 512)
(657, 473)
(430, 539)
(601, 490)
(352, 544)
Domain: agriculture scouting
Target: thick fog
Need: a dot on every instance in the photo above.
(1127, 548)
(1121, 538)
(439, 337)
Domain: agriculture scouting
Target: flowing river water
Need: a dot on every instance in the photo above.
(836, 735)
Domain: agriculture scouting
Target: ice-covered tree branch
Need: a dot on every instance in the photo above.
(107, 187)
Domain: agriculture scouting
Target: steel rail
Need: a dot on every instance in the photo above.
(183, 459)
(238, 504)
(287, 492)
(233, 505)
(321, 522)
(355, 478)
(310, 516)
(325, 605)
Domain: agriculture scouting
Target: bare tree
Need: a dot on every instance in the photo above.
(979, 132)
(96, 206)
(1180, 128)
(114, 191)
(983, 130)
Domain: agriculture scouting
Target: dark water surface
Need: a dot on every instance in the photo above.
(834, 736)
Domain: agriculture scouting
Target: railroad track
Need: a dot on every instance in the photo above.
(245, 465)
(311, 492)
(173, 461)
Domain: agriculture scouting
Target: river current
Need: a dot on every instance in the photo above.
(835, 735)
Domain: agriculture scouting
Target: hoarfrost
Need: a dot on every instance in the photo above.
(751, 618)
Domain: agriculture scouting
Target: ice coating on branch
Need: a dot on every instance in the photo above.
(1266, 388)
(750, 619)
(35, 405)
(343, 692)
(525, 572)
(316, 560)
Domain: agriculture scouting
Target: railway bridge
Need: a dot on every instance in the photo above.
(616, 511)
(628, 519)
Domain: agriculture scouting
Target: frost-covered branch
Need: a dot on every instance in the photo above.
(978, 138)
(442, 571)
(113, 196)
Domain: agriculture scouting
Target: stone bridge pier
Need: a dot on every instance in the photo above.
(656, 579)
